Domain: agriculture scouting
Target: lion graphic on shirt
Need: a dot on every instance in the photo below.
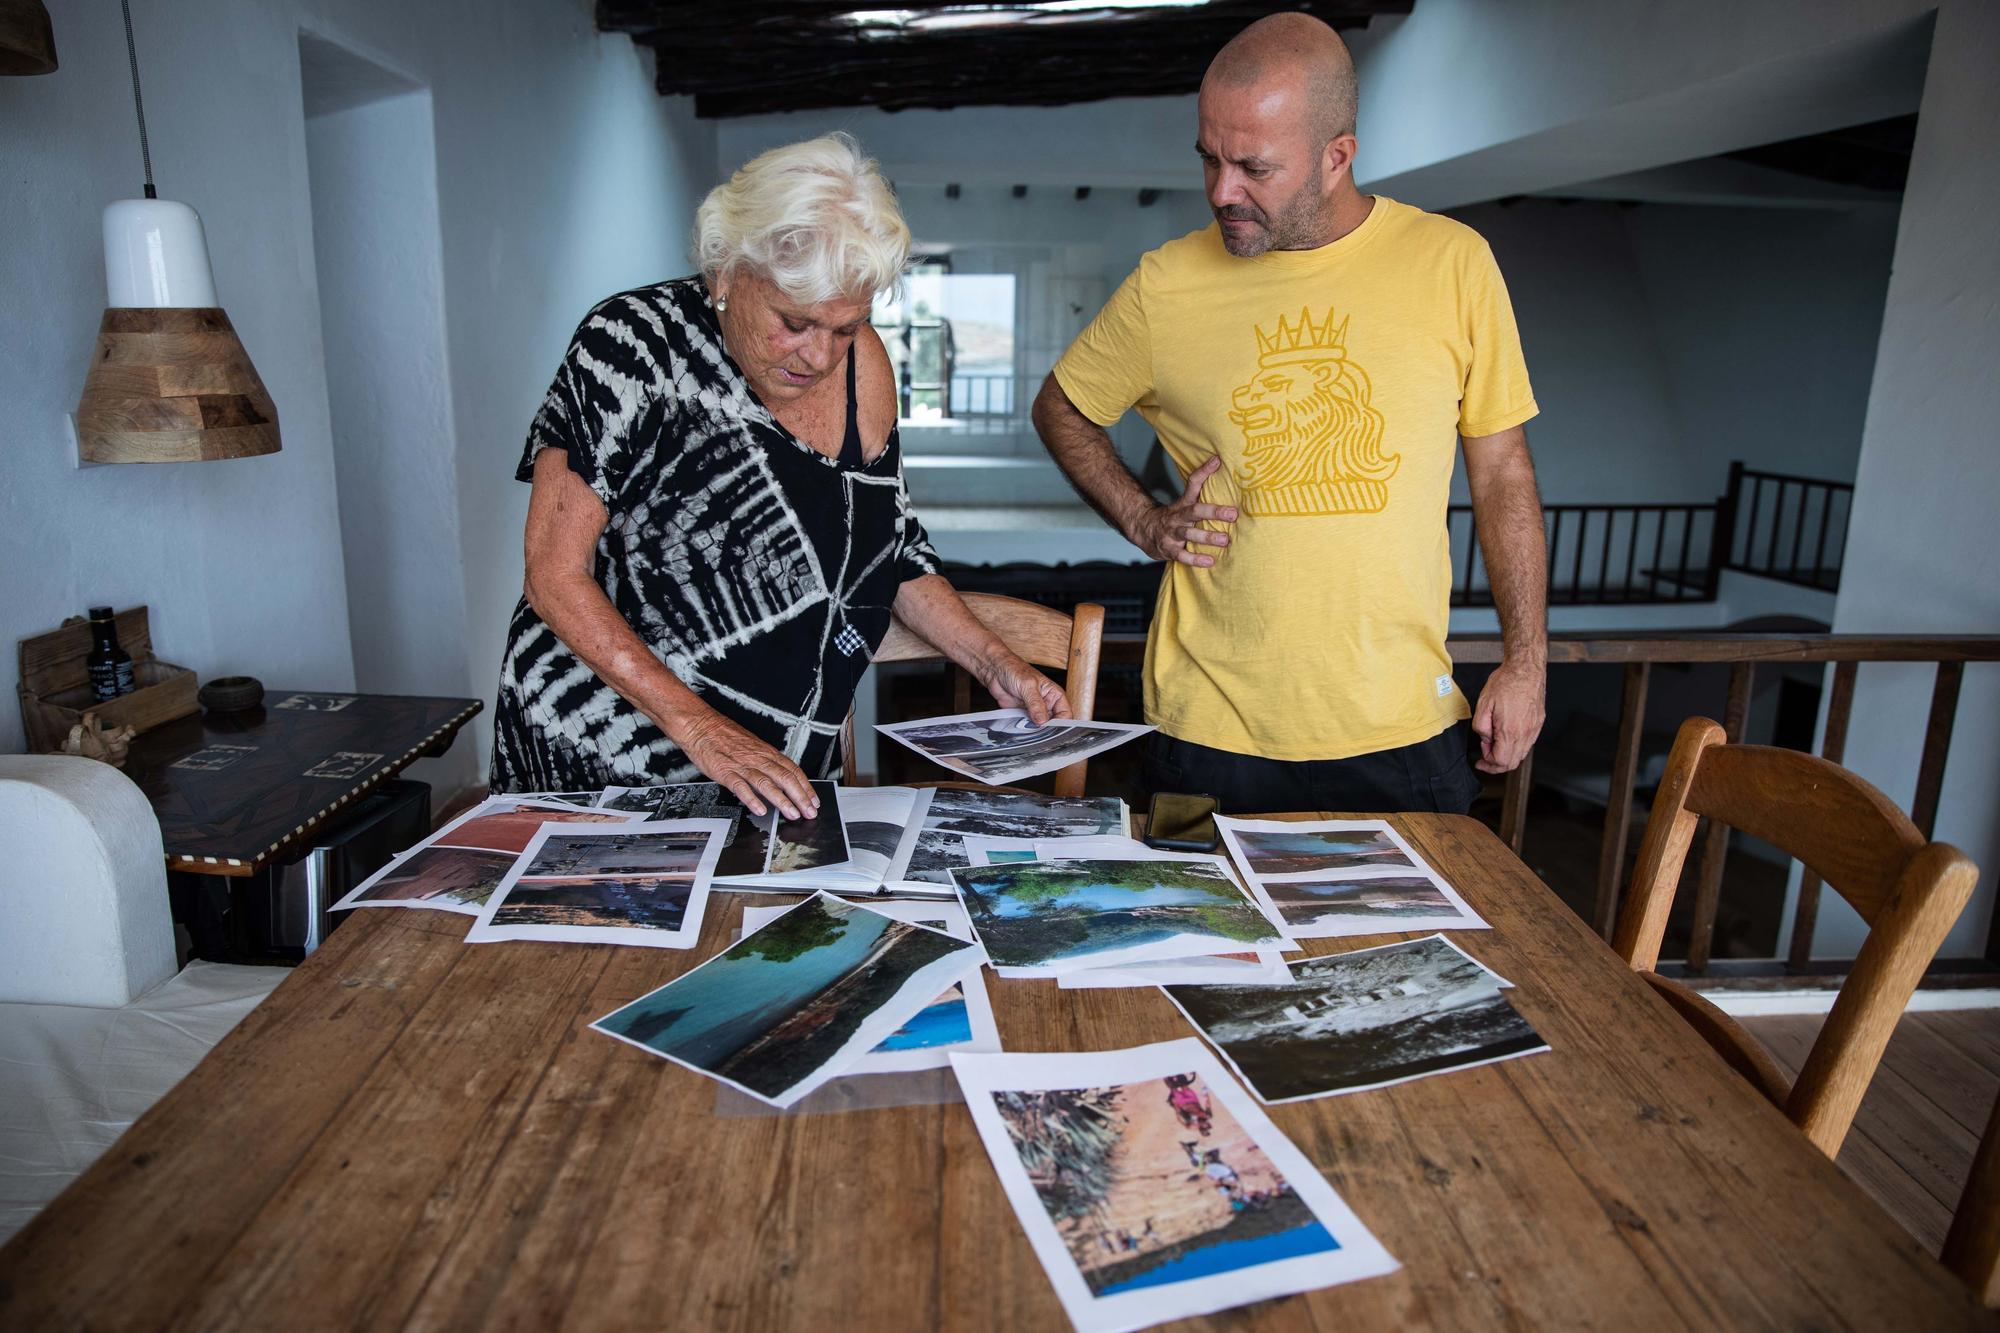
(1312, 444)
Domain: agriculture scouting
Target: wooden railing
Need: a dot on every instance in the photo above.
(1785, 527)
(1639, 653)
(1604, 554)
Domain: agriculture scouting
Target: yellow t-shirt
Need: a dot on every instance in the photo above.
(1334, 383)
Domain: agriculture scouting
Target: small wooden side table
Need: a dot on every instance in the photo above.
(233, 791)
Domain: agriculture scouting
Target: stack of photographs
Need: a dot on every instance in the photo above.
(1339, 878)
(1153, 1189)
(959, 1019)
(1045, 918)
(643, 883)
(1243, 967)
(847, 848)
(800, 1000)
(1360, 1020)
(1004, 746)
(933, 843)
(458, 867)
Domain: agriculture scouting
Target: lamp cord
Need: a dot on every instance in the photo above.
(138, 104)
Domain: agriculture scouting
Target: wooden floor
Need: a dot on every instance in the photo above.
(1913, 1141)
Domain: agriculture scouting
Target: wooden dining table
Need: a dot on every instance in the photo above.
(413, 1132)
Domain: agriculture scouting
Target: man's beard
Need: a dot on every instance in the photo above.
(1294, 227)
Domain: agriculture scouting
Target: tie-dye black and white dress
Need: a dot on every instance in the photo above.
(760, 571)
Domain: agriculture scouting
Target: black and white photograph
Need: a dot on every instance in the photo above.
(1367, 1019)
(314, 703)
(933, 844)
(1004, 746)
(811, 843)
(622, 852)
(646, 801)
(344, 764)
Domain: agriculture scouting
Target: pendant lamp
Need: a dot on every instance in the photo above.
(27, 41)
(170, 381)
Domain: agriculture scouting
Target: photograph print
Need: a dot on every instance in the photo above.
(1151, 1188)
(645, 802)
(625, 852)
(629, 883)
(797, 1001)
(1004, 745)
(1325, 908)
(454, 879)
(813, 843)
(959, 1019)
(933, 844)
(510, 823)
(1057, 916)
(1315, 851)
(1366, 1019)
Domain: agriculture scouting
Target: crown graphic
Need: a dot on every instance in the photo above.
(1303, 339)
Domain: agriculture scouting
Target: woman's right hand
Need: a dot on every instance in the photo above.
(749, 768)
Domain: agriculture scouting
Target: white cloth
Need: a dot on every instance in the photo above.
(73, 1078)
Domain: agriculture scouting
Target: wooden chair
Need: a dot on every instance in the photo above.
(1040, 635)
(1972, 1246)
(1907, 890)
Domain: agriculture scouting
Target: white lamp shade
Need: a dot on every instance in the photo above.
(156, 256)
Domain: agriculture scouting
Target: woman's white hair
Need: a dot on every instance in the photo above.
(815, 218)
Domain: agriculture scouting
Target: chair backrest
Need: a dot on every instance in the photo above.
(83, 885)
(1040, 635)
(1907, 890)
(1972, 1246)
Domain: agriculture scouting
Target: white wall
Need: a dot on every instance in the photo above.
(1608, 430)
(1464, 100)
(1919, 553)
(372, 169)
(1767, 322)
(561, 177)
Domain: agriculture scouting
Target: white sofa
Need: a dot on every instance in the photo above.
(96, 1023)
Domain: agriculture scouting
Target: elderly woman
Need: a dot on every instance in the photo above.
(718, 530)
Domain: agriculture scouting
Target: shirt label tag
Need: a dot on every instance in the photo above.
(1443, 684)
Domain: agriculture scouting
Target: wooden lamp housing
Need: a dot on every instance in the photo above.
(172, 385)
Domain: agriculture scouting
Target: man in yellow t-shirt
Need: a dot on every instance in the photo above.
(1310, 363)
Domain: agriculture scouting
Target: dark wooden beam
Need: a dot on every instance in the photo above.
(779, 55)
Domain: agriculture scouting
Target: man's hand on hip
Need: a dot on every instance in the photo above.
(1170, 532)
(1508, 717)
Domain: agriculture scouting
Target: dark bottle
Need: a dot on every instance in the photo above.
(109, 665)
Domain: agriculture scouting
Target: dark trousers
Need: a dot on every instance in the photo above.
(1434, 775)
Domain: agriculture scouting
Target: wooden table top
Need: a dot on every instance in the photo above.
(233, 790)
(414, 1132)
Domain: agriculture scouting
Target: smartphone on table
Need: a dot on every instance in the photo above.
(1182, 822)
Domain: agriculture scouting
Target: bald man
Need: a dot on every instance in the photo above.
(1312, 363)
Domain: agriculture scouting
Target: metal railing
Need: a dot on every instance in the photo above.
(1639, 653)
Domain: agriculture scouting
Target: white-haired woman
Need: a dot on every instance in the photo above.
(718, 529)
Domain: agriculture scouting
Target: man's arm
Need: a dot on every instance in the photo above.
(1087, 457)
(1508, 510)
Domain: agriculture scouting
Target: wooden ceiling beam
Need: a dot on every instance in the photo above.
(754, 56)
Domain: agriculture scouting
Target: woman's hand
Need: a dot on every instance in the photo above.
(755, 772)
(1015, 684)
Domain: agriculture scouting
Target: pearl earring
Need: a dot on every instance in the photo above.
(721, 304)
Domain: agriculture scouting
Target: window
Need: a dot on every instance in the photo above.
(951, 337)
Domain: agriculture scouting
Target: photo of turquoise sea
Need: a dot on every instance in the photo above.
(1034, 914)
(767, 1013)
